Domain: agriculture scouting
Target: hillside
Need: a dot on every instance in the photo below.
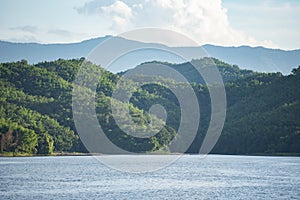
(36, 114)
(190, 70)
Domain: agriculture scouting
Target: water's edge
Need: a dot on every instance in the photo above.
(12, 154)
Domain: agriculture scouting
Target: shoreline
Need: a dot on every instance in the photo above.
(11, 154)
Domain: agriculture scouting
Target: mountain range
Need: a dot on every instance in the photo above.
(258, 59)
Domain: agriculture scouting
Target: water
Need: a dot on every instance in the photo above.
(215, 177)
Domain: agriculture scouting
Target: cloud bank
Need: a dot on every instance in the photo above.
(205, 21)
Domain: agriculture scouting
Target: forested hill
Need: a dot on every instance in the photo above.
(190, 70)
(36, 111)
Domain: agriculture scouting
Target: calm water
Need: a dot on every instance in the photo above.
(215, 177)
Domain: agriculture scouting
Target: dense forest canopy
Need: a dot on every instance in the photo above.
(36, 109)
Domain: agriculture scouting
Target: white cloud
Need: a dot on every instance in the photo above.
(119, 8)
(49, 35)
(120, 13)
(138, 5)
(258, 22)
(205, 21)
(60, 32)
(28, 28)
(164, 3)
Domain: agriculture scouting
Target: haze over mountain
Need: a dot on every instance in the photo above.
(253, 58)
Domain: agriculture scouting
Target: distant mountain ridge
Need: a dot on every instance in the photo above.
(253, 58)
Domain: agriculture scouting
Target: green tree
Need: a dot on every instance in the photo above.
(45, 144)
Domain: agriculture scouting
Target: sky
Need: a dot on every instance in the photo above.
(268, 23)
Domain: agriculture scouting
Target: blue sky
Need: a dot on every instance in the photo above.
(269, 23)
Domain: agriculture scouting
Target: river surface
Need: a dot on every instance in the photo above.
(190, 177)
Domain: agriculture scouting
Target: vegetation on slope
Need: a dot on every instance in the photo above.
(36, 109)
